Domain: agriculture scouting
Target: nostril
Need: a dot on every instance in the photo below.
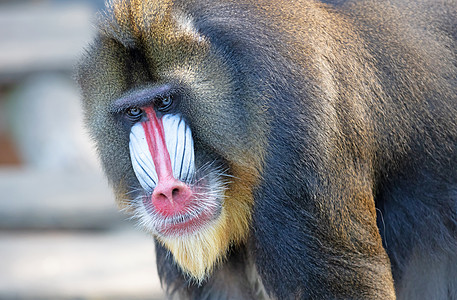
(171, 196)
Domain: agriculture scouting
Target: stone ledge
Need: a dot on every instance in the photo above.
(78, 265)
(38, 37)
(38, 199)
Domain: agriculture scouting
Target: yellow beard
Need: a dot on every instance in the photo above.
(199, 253)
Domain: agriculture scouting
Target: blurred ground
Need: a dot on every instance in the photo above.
(61, 236)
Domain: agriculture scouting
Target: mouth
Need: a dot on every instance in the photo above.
(185, 224)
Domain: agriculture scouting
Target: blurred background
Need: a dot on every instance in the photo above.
(61, 236)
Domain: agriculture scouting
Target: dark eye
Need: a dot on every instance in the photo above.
(134, 113)
(164, 103)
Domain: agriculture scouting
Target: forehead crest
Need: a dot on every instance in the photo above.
(156, 21)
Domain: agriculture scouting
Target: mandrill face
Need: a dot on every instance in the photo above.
(171, 126)
(175, 201)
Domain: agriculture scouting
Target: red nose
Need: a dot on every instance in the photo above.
(171, 196)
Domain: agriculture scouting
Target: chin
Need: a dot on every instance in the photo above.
(195, 231)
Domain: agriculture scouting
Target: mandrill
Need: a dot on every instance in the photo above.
(283, 149)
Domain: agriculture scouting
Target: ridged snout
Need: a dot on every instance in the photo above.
(180, 146)
(164, 173)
